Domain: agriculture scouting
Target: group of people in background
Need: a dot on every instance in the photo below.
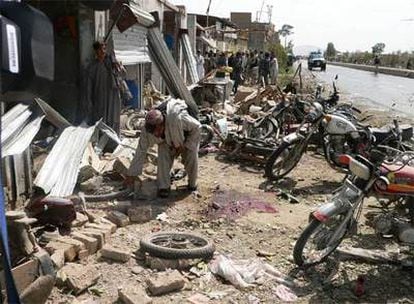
(251, 67)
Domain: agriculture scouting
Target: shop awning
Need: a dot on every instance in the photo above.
(131, 45)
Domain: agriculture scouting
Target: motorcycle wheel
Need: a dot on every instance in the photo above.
(264, 130)
(317, 234)
(283, 160)
(177, 245)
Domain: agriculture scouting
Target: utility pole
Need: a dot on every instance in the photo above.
(207, 12)
(259, 13)
(269, 13)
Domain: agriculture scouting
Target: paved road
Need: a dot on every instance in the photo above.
(377, 90)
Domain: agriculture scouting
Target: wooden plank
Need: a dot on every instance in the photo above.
(23, 275)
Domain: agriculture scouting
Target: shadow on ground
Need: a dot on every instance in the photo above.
(331, 283)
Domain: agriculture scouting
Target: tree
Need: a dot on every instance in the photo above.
(330, 51)
(378, 49)
(285, 31)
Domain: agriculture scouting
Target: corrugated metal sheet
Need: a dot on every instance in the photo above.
(189, 58)
(59, 173)
(19, 126)
(23, 139)
(131, 45)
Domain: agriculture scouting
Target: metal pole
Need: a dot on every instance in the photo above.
(121, 11)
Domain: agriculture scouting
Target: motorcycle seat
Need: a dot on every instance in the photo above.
(384, 132)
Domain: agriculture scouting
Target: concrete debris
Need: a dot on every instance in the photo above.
(90, 243)
(80, 220)
(133, 295)
(164, 264)
(77, 244)
(89, 165)
(121, 206)
(79, 277)
(140, 214)
(115, 254)
(39, 290)
(137, 269)
(107, 230)
(45, 262)
(118, 218)
(58, 258)
(198, 298)
(92, 185)
(165, 282)
(96, 234)
(83, 254)
(106, 223)
(69, 250)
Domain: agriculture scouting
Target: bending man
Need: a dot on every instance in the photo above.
(177, 133)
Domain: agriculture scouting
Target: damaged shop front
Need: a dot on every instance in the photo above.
(46, 157)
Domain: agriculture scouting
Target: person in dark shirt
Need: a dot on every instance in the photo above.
(237, 71)
(264, 69)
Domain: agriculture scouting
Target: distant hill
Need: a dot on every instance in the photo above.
(304, 50)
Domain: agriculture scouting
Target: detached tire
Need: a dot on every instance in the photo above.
(167, 245)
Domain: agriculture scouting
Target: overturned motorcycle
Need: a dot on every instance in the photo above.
(379, 176)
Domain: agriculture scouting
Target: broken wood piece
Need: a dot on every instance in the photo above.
(370, 255)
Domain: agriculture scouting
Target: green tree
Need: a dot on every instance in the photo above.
(285, 31)
(378, 48)
(330, 51)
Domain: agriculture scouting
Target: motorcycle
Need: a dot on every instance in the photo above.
(316, 127)
(379, 175)
(338, 132)
(289, 113)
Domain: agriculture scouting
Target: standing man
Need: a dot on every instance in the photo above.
(200, 65)
(177, 133)
(237, 71)
(264, 70)
(102, 96)
(274, 69)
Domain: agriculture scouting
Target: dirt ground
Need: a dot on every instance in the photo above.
(312, 182)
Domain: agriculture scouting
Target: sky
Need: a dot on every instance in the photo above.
(351, 25)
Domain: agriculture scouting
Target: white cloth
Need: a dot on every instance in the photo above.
(181, 131)
(274, 70)
(200, 66)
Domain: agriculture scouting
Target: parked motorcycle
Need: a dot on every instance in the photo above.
(320, 128)
(338, 132)
(278, 121)
(380, 175)
(290, 112)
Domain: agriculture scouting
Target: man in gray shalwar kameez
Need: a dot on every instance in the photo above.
(102, 89)
(177, 133)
